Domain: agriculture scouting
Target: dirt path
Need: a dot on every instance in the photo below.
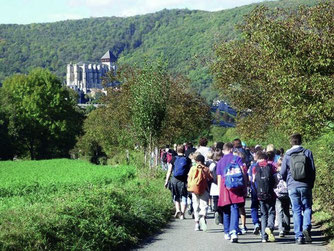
(180, 235)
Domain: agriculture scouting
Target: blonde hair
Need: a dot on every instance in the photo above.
(270, 148)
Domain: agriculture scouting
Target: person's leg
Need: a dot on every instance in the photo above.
(286, 214)
(296, 203)
(196, 202)
(226, 218)
(306, 198)
(254, 208)
(264, 219)
(177, 207)
(234, 222)
(203, 200)
(242, 213)
(279, 213)
(183, 205)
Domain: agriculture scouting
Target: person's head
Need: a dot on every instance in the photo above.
(203, 142)
(200, 159)
(296, 139)
(237, 143)
(220, 145)
(258, 148)
(270, 148)
(218, 155)
(189, 145)
(227, 148)
(282, 151)
(262, 156)
(210, 154)
(180, 149)
(271, 155)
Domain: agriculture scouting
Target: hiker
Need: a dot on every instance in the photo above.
(271, 148)
(254, 200)
(242, 211)
(298, 171)
(198, 184)
(237, 144)
(282, 203)
(190, 149)
(263, 177)
(163, 157)
(231, 184)
(214, 192)
(179, 166)
(203, 149)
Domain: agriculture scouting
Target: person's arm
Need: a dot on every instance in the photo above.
(219, 181)
(284, 168)
(169, 173)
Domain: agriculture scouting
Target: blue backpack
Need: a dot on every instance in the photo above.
(181, 166)
(233, 174)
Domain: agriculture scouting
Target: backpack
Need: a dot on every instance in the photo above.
(281, 190)
(181, 166)
(264, 181)
(233, 174)
(197, 180)
(298, 165)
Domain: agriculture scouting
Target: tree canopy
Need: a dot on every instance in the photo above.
(41, 114)
(280, 75)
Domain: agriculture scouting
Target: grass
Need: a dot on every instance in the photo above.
(70, 204)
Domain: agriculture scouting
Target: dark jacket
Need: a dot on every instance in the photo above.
(285, 169)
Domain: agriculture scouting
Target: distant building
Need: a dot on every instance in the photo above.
(85, 77)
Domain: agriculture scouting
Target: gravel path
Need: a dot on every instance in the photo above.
(180, 235)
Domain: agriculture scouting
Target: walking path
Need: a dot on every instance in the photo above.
(179, 235)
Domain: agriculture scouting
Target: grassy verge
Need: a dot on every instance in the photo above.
(67, 204)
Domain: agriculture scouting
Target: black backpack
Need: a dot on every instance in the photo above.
(299, 167)
(264, 181)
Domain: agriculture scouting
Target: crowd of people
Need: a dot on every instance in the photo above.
(219, 178)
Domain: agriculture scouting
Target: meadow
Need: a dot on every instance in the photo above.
(72, 204)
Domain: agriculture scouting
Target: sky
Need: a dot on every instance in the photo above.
(41, 11)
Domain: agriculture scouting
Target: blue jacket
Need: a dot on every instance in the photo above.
(285, 169)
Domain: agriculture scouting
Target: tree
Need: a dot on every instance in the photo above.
(42, 115)
(280, 75)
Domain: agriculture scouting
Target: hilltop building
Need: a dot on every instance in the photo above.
(85, 77)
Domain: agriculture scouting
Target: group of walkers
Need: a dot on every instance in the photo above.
(221, 177)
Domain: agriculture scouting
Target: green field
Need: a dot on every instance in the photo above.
(71, 204)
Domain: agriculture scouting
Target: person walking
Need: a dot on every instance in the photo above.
(298, 170)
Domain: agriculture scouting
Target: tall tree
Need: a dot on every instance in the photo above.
(280, 75)
(42, 114)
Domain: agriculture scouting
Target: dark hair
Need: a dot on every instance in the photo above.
(220, 145)
(271, 155)
(200, 158)
(203, 141)
(262, 155)
(228, 146)
(218, 155)
(189, 145)
(180, 149)
(296, 139)
(282, 151)
(237, 143)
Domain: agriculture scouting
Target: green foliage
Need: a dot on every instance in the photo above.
(73, 205)
(281, 72)
(42, 116)
(185, 37)
(323, 151)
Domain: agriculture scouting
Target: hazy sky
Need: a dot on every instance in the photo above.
(37, 11)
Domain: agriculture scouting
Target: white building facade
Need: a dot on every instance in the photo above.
(83, 77)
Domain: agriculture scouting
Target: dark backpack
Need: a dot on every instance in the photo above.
(299, 168)
(264, 181)
(233, 174)
(181, 166)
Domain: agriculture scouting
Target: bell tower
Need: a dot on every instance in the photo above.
(109, 59)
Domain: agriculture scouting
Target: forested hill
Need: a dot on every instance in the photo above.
(185, 37)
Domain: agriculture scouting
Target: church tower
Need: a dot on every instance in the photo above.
(109, 59)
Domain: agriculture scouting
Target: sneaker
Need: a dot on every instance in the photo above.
(264, 240)
(203, 225)
(182, 216)
(177, 214)
(256, 229)
(300, 240)
(217, 220)
(227, 237)
(197, 228)
(234, 238)
(281, 234)
(244, 230)
(239, 231)
(271, 237)
(307, 236)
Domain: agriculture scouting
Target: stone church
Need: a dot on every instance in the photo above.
(85, 77)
